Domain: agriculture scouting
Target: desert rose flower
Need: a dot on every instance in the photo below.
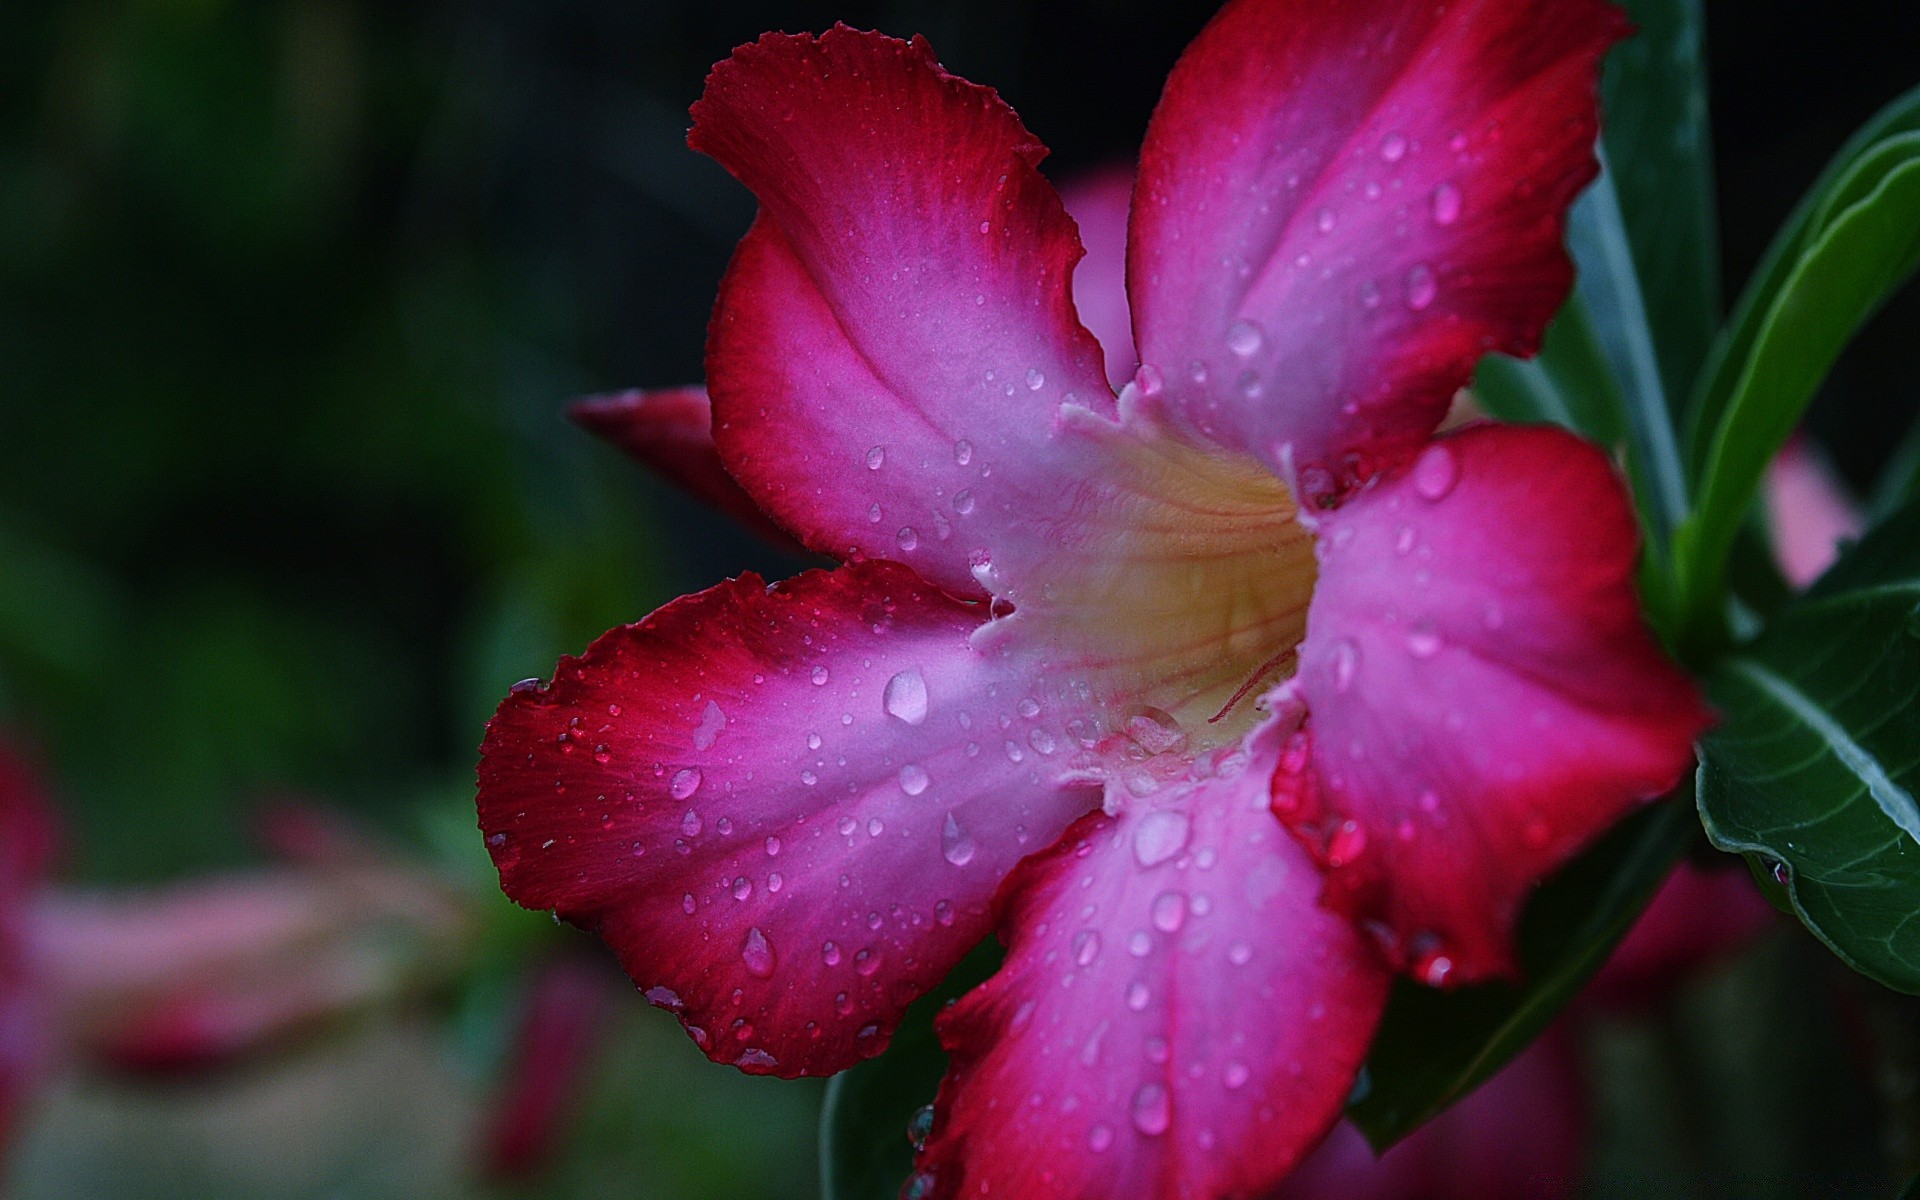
(1221, 698)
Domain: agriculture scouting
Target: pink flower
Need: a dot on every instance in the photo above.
(1086, 646)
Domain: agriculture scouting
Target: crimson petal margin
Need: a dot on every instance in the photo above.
(670, 431)
(1176, 1017)
(786, 809)
(898, 327)
(1483, 696)
(1343, 204)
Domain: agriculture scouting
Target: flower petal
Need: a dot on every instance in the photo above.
(901, 313)
(1342, 206)
(1176, 1016)
(785, 808)
(1809, 514)
(1098, 203)
(670, 430)
(1484, 698)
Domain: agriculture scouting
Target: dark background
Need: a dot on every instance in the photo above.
(293, 293)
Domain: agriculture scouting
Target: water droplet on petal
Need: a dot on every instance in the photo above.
(913, 779)
(1137, 996)
(691, 824)
(1394, 148)
(908, 537)
(1245, 338)
(1240, 954)
(875, 457)
(1156, 731)
(920, 1128)
(1348, 842)
(1162, 834)
(1324, 220)
(1099, 1138)
(1436, 471)
(963, 452)
(955, 846)
(1169, 912)
(1086, 947)
(905, 698)
(1446, 204)
(756, 953)
(1422, 287)
(712, 721)
(1152, 1110)
(1036, 379)
(830, 953)
(820, 676)
(1149, 379)
(742, 887)
(963, 502)
(1346, 663)
(1235, 1075)
(1423, 641)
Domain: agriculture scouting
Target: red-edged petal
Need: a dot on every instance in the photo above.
(786, 808)
(28, 837)
(1520, 1136)
(1484, 698)
(1098, 202)
(901, 314)
(1176, 1016)
(670, 430)
(1343, 204)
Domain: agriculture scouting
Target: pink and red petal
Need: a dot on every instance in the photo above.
(1343, 205)
(1176, 1016)
(1483, 696)
(786, 808)
(670, 430)
(902, 308)
(1098, 202)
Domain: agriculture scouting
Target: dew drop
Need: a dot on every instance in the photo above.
(1235, 1075)
(920, 1128)
(1346, 664)
(1435, 472)
(830, 953)
(1152, 1110)
(1324, 221)
(691, 824)
(1162, 834)
(875, 457)
(742, 887)
(1169, 912)
(1446, 204)
(1423, 641)
(1099, 1138)
(1394, 148)
(775, 881)
(905, 698)
(813, 741)
(913, 779)
(1036, 379)
(908, 538)
(1041, 741)
(1086, 947)
(1149, 379)
(963, 452)
(1240, 954)
(963, 501)
(684, 782)
(756, 954)
(712, 721)
(1245, 338)
(1422, 287)
(1348, 842)
(1156, 730)
(820, 676)
(1369, 294)
(955, 846)
(1137, 996)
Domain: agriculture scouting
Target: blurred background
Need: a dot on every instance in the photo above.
(292, 296)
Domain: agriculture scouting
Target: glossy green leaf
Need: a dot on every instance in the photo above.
(1900, 479)
(1735, 344)
(1845, 270)
(1658, 144)
(1569, 384)
(1614, 297)
(1817, 758)
(1434, 1047)
(864, 1150)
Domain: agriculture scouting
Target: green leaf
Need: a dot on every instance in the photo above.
(1610, 289)
(864, 1151)
(1817, 758)
(1900, 479)
(1434, 1047)
(1844, 271)
(1657, 139)
(1735, 344)
(1569, 384)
